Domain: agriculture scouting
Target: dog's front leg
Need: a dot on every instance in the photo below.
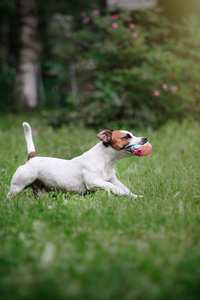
(118, 183)
(103, 185)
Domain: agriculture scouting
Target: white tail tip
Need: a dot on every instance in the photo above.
(28, 137)
(26, 125)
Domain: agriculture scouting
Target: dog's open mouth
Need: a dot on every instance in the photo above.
(127, 148)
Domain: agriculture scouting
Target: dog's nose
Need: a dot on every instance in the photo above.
(144, 139)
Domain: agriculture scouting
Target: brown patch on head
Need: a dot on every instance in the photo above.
(115, 138)
(31, 155)
(120, 139)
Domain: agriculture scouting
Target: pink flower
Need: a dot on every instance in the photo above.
(135, 35)
(115, 25)
(86, 20)
(131, 26)
(115, 17)
(156, 93)
(164, 86)
(96, 12)
(175, 88)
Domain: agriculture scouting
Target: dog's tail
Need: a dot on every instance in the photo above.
(29, 140)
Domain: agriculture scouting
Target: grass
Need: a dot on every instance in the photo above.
(101, 246)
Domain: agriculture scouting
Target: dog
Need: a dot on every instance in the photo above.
(91, 171)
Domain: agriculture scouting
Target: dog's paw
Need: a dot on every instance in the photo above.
(136, 196)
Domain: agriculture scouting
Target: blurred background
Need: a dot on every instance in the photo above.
(120, 62)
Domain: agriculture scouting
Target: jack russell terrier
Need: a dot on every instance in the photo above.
(91, 171)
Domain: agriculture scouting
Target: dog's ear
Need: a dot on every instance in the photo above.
(105, 136)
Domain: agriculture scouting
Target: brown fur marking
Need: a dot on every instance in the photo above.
(105, 136)
(117, 141)
(113, 137)
(31, 155)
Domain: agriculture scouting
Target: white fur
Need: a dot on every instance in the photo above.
(28, 137)
(93, 170)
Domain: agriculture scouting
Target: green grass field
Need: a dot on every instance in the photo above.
(101, 246)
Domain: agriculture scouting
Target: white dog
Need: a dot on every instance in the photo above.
(93, 170)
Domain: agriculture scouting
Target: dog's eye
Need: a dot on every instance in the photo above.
(127, 137)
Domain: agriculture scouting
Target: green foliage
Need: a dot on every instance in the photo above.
(101, 246)
(9, 47)
(6, 84)
(6, 9)
(130, 67)
(7, 21)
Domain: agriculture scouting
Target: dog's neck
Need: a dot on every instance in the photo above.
(108, 154)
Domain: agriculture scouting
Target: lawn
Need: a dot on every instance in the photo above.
(101, 246)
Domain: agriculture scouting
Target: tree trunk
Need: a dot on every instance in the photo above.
(25, 85)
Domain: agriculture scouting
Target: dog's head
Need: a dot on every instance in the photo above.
(120, 140)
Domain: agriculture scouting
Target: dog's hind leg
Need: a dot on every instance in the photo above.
(39, 189)
(22, 178)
